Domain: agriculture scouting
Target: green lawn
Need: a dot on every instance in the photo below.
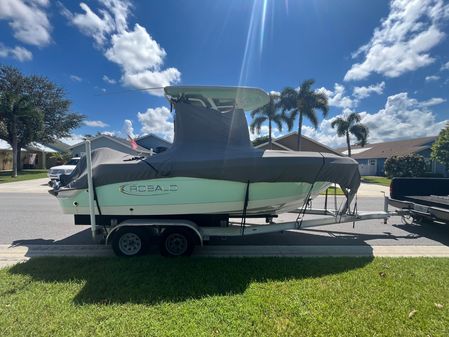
(5, 176)
(377, 180)
(153, 296)
(331, 191)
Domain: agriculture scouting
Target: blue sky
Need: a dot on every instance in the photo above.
(388, 60)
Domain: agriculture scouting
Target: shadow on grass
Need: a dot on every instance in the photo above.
(150, 279)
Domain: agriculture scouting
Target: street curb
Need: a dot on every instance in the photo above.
(10, 255)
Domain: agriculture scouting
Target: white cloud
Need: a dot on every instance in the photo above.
(109, 80)
(158, 121)
(433, 101)
(432, 78)
(73, 139)
(128, 129)
(28, 20)
(403, 40)
(109, 133)
(364, 92)
(445, 66)
(96, 124)
(19, 53)
(76, 78)
(337, 97)
(402, 117)
(140, 57)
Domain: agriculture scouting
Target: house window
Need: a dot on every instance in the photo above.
(372, 162)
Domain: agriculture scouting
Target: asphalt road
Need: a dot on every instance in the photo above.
(35, 218)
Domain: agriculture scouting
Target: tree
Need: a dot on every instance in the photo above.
(38, 110)
(411, 165)
(440, 149)
(18, 115)
(351, 125)
(269, 112)
(303, 103)
(260, 140)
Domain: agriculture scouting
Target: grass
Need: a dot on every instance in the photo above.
(5, 176)
(377, 180)
(331, 191)
(152, 296)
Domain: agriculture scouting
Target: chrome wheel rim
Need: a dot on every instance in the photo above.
(130, 244)
(176, 244)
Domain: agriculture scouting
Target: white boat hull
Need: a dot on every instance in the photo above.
(183, 195)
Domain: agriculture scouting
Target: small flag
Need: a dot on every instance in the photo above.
(133, 143)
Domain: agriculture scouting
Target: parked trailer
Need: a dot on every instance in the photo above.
(178, 237)
(421, 200)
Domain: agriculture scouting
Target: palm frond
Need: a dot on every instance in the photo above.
(321, 102)
(310, 114)
(353, 118)
(278, 120)
(360, 132)
(342, 126)
(256, 123)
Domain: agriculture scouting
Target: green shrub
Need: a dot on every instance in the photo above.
(411, 165)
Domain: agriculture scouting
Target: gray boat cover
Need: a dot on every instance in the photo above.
(214, 145)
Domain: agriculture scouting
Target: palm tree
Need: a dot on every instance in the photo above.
(351, 125)
(270, 113)
(303, 103)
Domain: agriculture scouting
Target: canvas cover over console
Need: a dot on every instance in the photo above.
(212, 144)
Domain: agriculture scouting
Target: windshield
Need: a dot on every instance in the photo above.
(73, 162)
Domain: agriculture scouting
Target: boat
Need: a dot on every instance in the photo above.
(211, 172)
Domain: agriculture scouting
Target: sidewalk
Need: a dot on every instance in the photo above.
(12, 255)
(373, 190)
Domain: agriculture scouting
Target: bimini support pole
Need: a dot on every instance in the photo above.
(90, 187)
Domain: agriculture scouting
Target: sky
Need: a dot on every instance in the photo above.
(387, 60)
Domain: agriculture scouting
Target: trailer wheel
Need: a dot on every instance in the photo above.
(129, 241)
(177, 242)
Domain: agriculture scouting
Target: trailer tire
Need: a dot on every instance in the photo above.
(129, 241)
(176, 242)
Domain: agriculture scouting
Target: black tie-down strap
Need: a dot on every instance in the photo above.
(245, 207)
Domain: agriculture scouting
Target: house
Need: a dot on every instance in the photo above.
(289, 142)
(111, 142)
(35, 155)
(372, 157)
(151, 141)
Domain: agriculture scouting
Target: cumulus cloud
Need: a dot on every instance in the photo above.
(337, 97)
(403, 40)
(432, 78)
(28, 20)
(19, 53)
(140, 57)
(158, 121)
(96, 124)
(76, 78)
(109, 80)
(128, 129)
(364, 92)
(445, 66)
(402, 117)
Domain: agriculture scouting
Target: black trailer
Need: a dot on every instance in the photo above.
(421, 199)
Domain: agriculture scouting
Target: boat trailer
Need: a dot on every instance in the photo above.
(178, 237)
